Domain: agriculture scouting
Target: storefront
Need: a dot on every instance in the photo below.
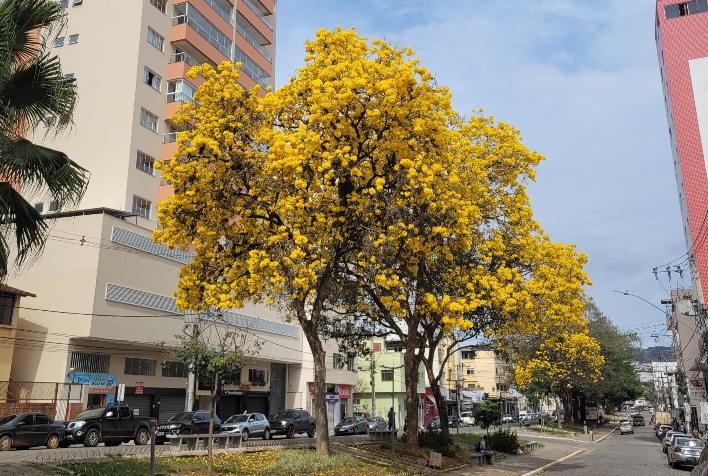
(102, 387)
(338, 400)
(243, 400)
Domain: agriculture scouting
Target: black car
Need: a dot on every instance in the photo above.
(111, 424)
(187, 423)
(290, 422)
(434, 423)
(25, 430)
(352, 426)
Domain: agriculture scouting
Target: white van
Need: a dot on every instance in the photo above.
(467, 419)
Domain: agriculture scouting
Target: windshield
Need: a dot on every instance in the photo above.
(283, 416)
(348, 421)
(7, 419)
(237, 419)
(89, 413)
(181, 416)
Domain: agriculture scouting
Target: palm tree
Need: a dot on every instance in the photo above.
(32, 90)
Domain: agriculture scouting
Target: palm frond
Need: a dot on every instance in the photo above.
(29, 227)
(20, 22)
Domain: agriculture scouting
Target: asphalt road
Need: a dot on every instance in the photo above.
(637, 454)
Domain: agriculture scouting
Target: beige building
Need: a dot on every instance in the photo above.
(105, 289)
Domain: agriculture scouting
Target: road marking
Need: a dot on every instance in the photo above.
(553, 463)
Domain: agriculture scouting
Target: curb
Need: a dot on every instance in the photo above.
(553, 463)
(611, 431)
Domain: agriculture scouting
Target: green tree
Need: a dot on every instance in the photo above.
(32, 89)
(486, 414)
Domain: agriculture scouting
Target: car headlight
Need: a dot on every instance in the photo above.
(173, 427)
(79, 424)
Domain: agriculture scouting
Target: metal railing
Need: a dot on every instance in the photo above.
(193, 18)
(179, 96)
(251, 69)
(223, 13)
(258, 13)
(178, 57)
(252, 41)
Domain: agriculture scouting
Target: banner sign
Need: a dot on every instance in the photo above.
(704, 412)
(345, 392)
(98, 383)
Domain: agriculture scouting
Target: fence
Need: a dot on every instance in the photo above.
(57, 399)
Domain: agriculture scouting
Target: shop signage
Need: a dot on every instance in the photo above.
(331, 397)
(97, 383)
(345, 392)
(231, 393)
(244, 386)
(139, 388)
(704, 413)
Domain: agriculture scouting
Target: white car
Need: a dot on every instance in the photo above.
(626, 427)
(467, 419)
(507, 418)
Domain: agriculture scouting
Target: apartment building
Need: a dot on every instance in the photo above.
(104, 289)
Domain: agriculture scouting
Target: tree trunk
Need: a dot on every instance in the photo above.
(440, 403)
(559, 419)
(411, 362)
(319, 405)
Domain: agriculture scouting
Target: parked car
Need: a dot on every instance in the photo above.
(354, 425)
(638, 420)
(467, 419)
(290, 422)
(434, 423)
(669, 439)
(24, 430)
(684, 451)
(111, 424)
(249, 424)
(187, 423)
(507, 418)
(377, 423)
(626, 427)
(661, 430)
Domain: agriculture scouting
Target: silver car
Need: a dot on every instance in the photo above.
(684, 451)
(249, 424)
(626, 427)
(377, 424)
(669, 437)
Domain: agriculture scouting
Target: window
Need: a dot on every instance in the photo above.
(141, 206)
(7, 306)
(53, 206)
(124, 412)
(145, 162)
(41, 420)
(155, 39)
(467, 355)
(148, 119)
(64, 4)
(139, 366)
(58, 42)
(470, 371)
(28, 420)
(350, 364)
(39, 206)
(87, 362)
(159, 4)
(180, 90)
(73, 39)
(337, 361)
(377, 346)
(233, 378)
(387, 375)
(257, 376)
(174, 369)
(78, 2)
(152, 79)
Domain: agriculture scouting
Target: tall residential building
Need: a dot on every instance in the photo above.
(104, 288)
(682, 48)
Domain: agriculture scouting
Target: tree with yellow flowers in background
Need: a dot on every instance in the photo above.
(358, 175)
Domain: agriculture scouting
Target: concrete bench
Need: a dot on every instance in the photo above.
(531, 446)
(382, 435)
(479, 459)
(201, 442)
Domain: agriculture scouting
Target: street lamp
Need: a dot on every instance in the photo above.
(627, 293)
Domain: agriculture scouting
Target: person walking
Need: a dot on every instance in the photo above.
(391, 416)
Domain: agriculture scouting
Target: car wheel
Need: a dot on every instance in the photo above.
(311, 431)
(186, 432)
(5, 443)
(142, 437)
(675, 464)
(266, 434)
(92, 438)
(53, 442)
(244, 436)
(290, 432)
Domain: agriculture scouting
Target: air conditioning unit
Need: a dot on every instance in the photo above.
(78, 2)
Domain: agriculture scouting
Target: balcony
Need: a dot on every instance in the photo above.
(222, 13)
(184, 13)
(179, 97)
(253, 43)
(183, 57)
(169, 137)
(258, 13)
(251, 69)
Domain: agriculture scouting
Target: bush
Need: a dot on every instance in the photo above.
(437, 442)
(504, 441)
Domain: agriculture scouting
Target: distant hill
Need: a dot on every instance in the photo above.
(655, 354)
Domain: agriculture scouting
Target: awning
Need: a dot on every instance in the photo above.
(431, 398)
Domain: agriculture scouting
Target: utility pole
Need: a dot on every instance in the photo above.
(373, 383)
(458, 389)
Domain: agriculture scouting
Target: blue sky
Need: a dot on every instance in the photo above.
(580, 79)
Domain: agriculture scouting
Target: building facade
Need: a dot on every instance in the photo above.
(682, 48)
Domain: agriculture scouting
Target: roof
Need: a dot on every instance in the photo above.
(4, 288)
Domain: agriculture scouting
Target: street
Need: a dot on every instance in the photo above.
(630, 454)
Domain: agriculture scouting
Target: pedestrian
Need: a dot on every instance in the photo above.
(488, 453)
(390, 418)
(695, 432)
(682, 427)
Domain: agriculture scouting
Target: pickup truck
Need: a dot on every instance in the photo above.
(112, 424)
(289, 422)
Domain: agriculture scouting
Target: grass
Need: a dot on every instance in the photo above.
(271, 463)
